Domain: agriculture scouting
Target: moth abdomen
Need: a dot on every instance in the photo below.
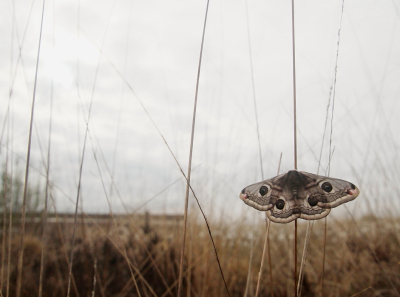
(296, 210)
(294, 192)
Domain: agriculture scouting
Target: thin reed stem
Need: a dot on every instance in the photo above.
(304, 257)
(330, 145)
(11, 208)
(253, 88)
(323, 259)
(28, 156)
(295, 141)
(259, 147)
(47, 182)
(294, 89)
(6, 191)
(268, 248)
(246, 290)
(94, 277)
(295, 258)
(190, 159)
(268, 223)
(9, 238)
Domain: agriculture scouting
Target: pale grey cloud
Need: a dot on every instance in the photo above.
(155, 45)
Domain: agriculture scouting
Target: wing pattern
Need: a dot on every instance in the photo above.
(298, 194)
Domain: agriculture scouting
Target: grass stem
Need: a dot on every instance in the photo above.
(190, 159)
(28, 155)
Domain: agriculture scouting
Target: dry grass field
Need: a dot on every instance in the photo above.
(144, 249)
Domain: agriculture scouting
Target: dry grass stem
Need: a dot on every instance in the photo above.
(185, 214)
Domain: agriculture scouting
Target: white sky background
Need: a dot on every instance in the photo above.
(155, 46)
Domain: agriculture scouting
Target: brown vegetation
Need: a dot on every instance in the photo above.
(354, 261)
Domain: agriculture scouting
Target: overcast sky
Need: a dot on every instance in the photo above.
(92, 50)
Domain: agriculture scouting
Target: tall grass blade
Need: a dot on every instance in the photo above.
(258, 136)
(266, 248)
(94, 277)
(47, 180)
(6, 191)
(330, 144)
(246, 290)
(28, 155)
(294, 89)
(253, 88)
(190, 160)
(295, 140)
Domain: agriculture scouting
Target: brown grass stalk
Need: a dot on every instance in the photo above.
(267, 248)
(5, 209)
(268, 223)
(323, 257)
(190, 159)
(28, 155)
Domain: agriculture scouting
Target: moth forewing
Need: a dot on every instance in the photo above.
(257, 195)
(342, 192)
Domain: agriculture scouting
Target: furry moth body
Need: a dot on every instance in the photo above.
(298, 194)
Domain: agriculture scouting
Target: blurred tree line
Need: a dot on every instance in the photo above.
(12, 191)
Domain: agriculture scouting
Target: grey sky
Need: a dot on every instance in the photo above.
(155, 46)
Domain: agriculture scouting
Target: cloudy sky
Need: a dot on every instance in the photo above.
(115, 58)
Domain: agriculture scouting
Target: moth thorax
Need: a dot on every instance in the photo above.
(294, 191)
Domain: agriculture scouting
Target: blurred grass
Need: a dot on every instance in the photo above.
(152, 244)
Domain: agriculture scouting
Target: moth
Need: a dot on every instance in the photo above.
(298, 194)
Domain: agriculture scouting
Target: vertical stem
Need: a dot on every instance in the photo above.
(295, 258)
(266, 243)
(267, 248)
(42, 257)
(190, 160)
(323, 259)
(28, 156)
(94, 277)
(5, 209)
(295, 143)
(294, 90)
(254, 90)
